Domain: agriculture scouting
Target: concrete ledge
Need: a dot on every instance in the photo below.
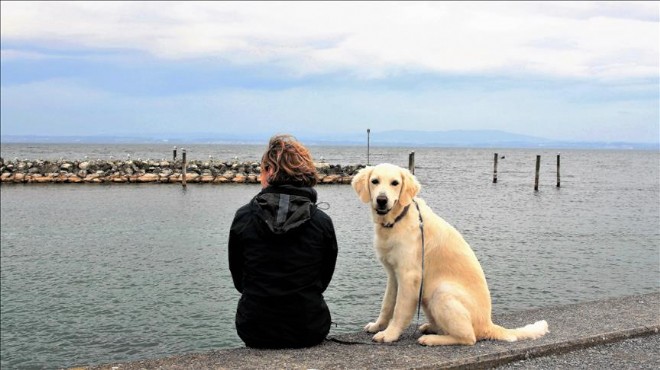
(572, 327)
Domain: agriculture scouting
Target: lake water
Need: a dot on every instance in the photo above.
(100, 273)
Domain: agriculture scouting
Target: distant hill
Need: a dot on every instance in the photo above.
(452, 138)
(456, 138)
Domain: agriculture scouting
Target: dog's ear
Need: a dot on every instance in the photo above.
(409, 188)
(360, 184)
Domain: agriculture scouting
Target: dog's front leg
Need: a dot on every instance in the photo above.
(387, 307)
(404, 309)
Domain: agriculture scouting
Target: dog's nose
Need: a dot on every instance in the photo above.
(381, 200)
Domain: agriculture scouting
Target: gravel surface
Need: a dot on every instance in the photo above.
(634, 353)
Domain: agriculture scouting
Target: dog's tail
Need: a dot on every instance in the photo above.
(531, 331)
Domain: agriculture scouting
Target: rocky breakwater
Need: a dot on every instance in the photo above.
(149, 171)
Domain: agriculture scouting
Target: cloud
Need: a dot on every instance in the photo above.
(65, 107)
(567, 70)
(369, 40)
(12, 54)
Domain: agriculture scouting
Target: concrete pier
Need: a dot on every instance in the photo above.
(572, 328)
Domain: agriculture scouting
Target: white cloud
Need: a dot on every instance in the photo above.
(600, 40)
(13, 54)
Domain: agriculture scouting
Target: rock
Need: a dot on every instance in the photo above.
(74, 179)
(331, 179)
(42, 179)
(19, 177)
(206, 179)
(148, 177)
(192, 177)
(162, 171)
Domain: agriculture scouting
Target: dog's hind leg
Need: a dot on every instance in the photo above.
(454, 319)
(430, 327)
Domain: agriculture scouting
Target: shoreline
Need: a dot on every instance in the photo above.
(159, 172)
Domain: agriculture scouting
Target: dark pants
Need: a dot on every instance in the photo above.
(281, 323)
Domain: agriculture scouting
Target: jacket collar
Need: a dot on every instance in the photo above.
(306, 192)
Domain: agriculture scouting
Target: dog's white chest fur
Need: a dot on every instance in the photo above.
(396, 247)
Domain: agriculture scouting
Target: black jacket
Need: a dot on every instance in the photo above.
(282, 254)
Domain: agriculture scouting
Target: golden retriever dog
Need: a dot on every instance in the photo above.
(454, 293)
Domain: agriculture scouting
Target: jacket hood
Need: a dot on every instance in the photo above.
(284, 207)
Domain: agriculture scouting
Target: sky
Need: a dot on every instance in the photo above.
(574, 71)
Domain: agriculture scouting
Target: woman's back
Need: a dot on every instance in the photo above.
(282, 254)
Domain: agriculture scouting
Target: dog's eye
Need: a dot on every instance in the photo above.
(395, 183)
(374, 181)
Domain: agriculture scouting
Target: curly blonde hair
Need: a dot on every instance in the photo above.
(290, 162)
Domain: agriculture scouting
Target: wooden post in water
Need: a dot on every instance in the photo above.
(536, 178)
(495, 170)
(174, 155)
(183, 168)
(558, 181)
(368, 139)
(411, 162)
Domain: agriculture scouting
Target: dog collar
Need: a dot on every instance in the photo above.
(397, 219)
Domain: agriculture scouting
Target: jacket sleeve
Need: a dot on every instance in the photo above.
(330, 257)
(235, 256)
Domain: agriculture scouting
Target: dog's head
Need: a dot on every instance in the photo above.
(385, 187)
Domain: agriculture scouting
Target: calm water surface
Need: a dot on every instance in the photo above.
(101, 273)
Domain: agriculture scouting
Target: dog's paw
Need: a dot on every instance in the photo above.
(385, 336)
(427, 329)
(427, 340)
(372, 327)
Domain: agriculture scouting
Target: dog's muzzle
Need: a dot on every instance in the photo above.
(381, 205)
